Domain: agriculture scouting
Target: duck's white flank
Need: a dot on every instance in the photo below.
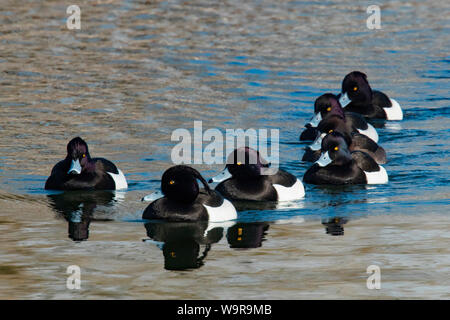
(395, 112)
(223, 213)
(370, 132)
(295, 192)
(377, 177)
(119, 180)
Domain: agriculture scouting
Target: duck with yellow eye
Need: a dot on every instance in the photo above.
(357, 96)
(327, 105)
(78, 171)
(338, 166)
(181, 199)
(248, 176)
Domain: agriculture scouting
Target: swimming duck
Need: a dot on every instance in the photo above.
(78, 171)
(247, 176)
(181, 199)
(337, 165)
(357, 96)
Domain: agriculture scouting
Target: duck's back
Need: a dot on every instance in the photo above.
(363, 143)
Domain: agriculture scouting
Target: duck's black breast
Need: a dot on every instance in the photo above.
(333, 174)
(58, 176)
(256, 189)
(173, 211)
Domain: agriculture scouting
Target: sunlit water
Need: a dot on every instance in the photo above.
(137, 70)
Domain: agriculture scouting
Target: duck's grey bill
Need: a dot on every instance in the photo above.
(75, 167)
(153, 196)
(344, 100)
(324, 160)
(315, 120)
(317, 144)
(224, 175)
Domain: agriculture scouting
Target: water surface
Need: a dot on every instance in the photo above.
(137, 70)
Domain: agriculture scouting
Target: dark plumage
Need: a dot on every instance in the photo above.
(337, 165)
(355, 140)
(328, 105)
(78, 171)
(183, 199)
(250, 178)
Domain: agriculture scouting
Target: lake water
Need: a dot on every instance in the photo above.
(137, 70)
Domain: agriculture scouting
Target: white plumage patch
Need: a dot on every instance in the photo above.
(295, 192)
(223, 213)
(377, 177)
(119, 180)
(370, 132)
(395, 112)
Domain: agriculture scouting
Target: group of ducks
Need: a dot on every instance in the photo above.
(344, 151)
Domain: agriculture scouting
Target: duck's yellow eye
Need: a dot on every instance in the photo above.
(336, 148)
(238, 163)
(329, 109)
(171, 182)
(330, 131)
(84, 156)
(355, 88)
(172, 254)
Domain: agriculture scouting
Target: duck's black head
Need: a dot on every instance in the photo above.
(334, 150)
(328, 104)
(355, 88)
(246, 163)
(78, 154)
(335, 123)
(332, 123)
(179, 183)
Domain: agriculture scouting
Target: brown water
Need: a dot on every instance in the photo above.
(137, 70)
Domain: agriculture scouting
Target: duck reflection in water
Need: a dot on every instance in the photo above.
(181, 241)
(334, 226)
(247, 235)
(77, 208)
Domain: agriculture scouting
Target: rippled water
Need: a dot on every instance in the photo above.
(137, 70)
